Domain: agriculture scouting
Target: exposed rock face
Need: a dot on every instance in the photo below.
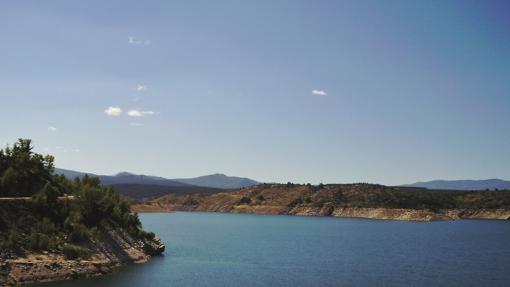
(485, 214)
(383, 213)
(350, 200)
(114, 251)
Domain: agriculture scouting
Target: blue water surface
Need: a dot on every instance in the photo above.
(215, 249)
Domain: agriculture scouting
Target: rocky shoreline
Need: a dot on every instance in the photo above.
(360, 200)
(370, 213)
(114, 251)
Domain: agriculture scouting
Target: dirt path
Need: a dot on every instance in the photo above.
(61, 198)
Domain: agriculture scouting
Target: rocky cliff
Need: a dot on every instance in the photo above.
(113, 250)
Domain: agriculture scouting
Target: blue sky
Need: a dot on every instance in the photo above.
(388, 92)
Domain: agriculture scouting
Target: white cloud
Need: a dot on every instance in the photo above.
(138, 113)
(319, 93)
(132, 40)
(136, 124)
(141, 88)
(52, 129)
(113, 111)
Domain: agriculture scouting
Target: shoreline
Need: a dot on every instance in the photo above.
(422, 215)
(108, 255)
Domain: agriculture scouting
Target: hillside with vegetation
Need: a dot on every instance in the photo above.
(47, 218)
(145, 192)
(349, 200)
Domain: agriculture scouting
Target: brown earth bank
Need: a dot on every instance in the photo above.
(115, 249)
(342, 200)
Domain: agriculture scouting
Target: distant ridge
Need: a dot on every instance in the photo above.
(219, 180)
(484, 184)
(123, 178)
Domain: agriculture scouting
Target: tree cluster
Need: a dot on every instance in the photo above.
(62, 215)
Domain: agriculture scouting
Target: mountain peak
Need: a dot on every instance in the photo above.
(218, 175)
(124, 173)
(219, 180)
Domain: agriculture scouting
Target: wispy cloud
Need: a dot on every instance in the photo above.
(136, 124)
(132, 40)
(113, 111)
(52, 129)
(141, 88)
(139, 113)
(319, 93)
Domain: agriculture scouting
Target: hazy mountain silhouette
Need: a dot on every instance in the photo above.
(214, 181)
(219, 180)
(464, 184)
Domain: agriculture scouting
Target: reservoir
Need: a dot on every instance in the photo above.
(216, 249)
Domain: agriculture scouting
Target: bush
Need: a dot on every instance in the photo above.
(295, 202)
(245, 200)
(72, 251)
(12, 241)
(38, 241)
(190, 202)
(79, 233)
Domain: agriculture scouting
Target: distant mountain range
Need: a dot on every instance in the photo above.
(145, 186)
(484, 184)
(218, 181)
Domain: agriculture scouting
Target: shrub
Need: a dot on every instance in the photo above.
(79, 233)
(190, 202)
(38, 241)
(245, 200)
(295, 202)
(72, 251)
(13, 241)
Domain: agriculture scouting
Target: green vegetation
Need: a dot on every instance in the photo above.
(374, 195)
(145, 192)
(72, 251)
(59, 215)
(245, 200)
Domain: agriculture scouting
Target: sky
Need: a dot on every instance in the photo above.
(388, 92)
